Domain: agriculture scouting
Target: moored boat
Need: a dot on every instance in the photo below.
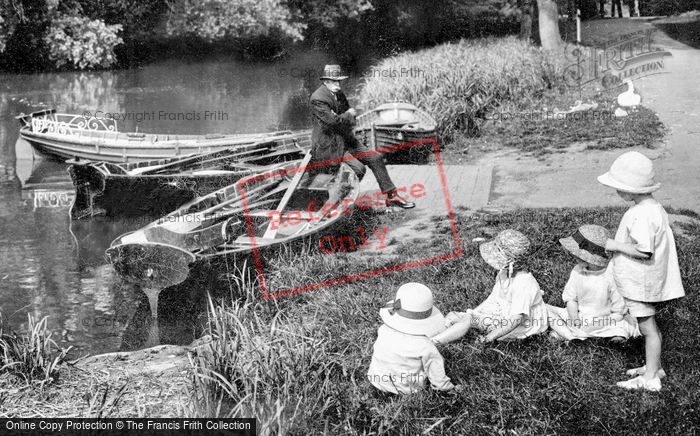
(154, 188)
(259, 211)
(392, 125)
(67, 136)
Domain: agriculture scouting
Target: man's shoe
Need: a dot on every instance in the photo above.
(395, 200)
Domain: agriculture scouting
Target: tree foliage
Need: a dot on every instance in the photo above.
(81, 42)
(216, 20)
(10, 14)
(328, 13)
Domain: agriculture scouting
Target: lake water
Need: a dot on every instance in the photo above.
(50, 266)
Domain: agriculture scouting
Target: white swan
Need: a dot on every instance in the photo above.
(629, 98)
(580, 107)
(619, 112)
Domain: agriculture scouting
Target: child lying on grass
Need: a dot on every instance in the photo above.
(404, 357)
(514, 309)
(594, 308)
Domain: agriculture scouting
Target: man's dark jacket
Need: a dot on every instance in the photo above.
(332, 126)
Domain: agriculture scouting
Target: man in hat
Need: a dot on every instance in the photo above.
(332, 135)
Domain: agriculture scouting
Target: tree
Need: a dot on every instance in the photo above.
(549, 24)
(218, 20)
(10, 15)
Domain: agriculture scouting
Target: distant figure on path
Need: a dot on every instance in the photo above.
(618, 4)
(332, 135)
(601, 9)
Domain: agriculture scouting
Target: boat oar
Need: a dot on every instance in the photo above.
(201, 157)
(187, 222)
(272, 230)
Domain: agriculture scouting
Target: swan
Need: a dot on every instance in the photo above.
(619, 112)
(629, 98)
(579, 106)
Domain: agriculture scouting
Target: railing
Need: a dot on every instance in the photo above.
(68, 124)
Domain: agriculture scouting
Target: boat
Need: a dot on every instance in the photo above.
(69, 136)
(47, 186)
(257, 212)
(391, 125)
(154, 188)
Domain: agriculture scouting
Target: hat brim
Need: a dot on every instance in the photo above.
(607, 180)
(336, 78)
(572, 247)
(429, 326)
(493, 256)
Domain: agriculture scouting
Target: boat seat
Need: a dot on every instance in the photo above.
(259, 240)
(212, 172)
(320, 182)
(136, 237)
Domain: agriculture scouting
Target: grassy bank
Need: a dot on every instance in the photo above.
(299, 364)
(30, 358)
(501, 90)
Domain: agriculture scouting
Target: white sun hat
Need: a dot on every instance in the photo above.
(412, 311)
(631, 172)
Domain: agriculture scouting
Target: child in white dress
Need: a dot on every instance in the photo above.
(404, 357)
(594, 308)
(644, 264)
(514, 309)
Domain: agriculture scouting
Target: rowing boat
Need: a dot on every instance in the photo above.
(69, 136)
(392, 125)
(257, 212)
(154, 188)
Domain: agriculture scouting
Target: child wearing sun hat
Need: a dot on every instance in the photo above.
(404, 357)
(594, 308)
(645, 263)
(514, 309)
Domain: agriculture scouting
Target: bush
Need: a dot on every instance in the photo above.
(668, 7)
(460, 83)
(82, 43)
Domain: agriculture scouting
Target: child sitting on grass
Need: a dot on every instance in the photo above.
(404, 357)
(594, 308)
(514, 309)
(644, 264)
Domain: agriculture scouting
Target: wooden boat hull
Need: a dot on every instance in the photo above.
(64, 136)
(158, 255)
(100, 194)
(111, 190)
(393, 125)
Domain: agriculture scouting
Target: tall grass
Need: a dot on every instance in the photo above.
(32, 356)
(460, 83)
(299, 364)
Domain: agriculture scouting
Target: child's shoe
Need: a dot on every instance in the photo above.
(653, 385)
(642, 369)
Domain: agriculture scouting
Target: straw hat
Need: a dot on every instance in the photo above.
(333, 72)
(588, 244)
(507, 247)
(631, 172)
(412, 311)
